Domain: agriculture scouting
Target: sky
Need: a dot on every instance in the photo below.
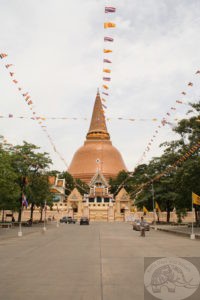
(56, 48)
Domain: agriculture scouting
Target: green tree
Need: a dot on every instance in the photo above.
(28, 162)
(38, 192)
(9, 189)
(71, 183)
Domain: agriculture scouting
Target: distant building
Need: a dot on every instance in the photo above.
(99, 204)
(57, 188)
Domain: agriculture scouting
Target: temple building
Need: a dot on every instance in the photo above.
(94, 163)
(99, 204)
(97, 153)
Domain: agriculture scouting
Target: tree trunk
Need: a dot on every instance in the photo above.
(168, 216)
(3, 215)
(20, 214)
(41, 214)
(168, 211)
(31, 212)
(197, 216)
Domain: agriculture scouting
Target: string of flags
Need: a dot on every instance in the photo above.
(108, 40)
(169, 169)
(28, 99)
(12, 116)
(165, 120)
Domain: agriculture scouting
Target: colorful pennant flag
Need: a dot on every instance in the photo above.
(105, 93)
(109, 25)
(106, 78)
(2, 55)
(107, 50)
(106, 70)
(8, 65)
(108, 39)
(157, 207)
(105, 86)
(107, 61)
(110, 9)
(145, 210)
(195, 199)
(24, 201)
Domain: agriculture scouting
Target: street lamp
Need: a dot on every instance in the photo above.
(44, 228)
(153, 199)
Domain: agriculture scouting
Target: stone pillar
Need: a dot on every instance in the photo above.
(86, 212)
(111, 214)
(126, 214)
(71, 213)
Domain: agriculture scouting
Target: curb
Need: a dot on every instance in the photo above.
(197, 236)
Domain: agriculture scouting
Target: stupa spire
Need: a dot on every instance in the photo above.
(98, 129)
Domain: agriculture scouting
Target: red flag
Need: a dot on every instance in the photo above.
(8, 65)
(2, 55)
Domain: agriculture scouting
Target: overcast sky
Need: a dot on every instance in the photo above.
(57, 51)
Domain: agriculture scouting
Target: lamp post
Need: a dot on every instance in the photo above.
(153, 199)
(44, 228)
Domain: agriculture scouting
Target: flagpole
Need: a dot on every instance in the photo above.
(20, 222)
(192, 236)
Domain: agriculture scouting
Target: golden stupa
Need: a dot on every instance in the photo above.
(97, 153)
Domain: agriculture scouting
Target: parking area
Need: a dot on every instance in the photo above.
(102, 261)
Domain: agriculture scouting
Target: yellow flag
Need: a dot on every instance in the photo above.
(195, 199)
(109, 25)
(157, 207)
(107, 50)
(107, 70)
(145, 210)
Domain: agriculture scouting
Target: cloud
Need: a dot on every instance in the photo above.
(57, 50)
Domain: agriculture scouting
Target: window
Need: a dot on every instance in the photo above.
(99, 200)
(106, 200)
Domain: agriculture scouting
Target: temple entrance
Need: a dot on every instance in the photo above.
(75, 208)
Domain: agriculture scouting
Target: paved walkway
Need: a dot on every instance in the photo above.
(102, 261)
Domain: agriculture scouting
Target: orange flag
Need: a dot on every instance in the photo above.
(107, 50)
(109, 25)
(107, 70)
(105, 86)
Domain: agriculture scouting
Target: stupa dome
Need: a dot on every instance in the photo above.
(97, 153)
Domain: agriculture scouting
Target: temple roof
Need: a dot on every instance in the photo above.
(98, 129)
